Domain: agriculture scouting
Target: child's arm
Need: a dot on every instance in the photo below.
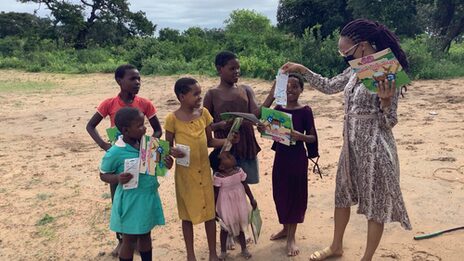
(253, 105)
(173, 151)
(155, 124)
(110, 178)
(298, 136)
(91, 129)
(253, 202)
(269, 99)
(218, 143)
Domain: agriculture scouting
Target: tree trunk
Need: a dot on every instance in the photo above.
(81, 39)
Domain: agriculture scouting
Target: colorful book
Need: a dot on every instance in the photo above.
(256, 223)
(152, 154)
(279, 125)
(377, 67)
(113, 134)
(234, 129)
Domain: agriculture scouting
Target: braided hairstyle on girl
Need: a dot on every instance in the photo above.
(377, 35)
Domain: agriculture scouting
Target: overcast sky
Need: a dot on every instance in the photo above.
(178, 14)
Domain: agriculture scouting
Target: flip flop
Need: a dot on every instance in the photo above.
(323, 254)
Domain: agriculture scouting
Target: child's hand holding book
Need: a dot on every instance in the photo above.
(123, 178)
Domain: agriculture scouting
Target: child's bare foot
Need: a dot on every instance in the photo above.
(223, 256)
(246, 254)
(213, 257)
(292, 249)
(230, 244)
(115, 252)
(279, 235)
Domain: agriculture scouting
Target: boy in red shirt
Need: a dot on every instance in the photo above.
(128, 78)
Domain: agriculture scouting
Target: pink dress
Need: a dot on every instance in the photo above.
(232, 205)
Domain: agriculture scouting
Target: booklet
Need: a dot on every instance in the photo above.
(256, 223)
(280, 91)
(377, 67)
(184, 161)
(246, 116)
(113, 134)
(162, 151)
(152, 154)
(279, 125)
(234, 129)
(131, 166)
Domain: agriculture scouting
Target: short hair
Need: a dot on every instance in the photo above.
(182, 86)
(125, 116)
(121, 70)
(298, 77)
(223, 58)
(214, 159)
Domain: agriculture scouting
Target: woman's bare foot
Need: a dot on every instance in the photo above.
(246, 254)
(325, 253)
(292, 249)
(230, 243)
(279, 235)
(115, 252)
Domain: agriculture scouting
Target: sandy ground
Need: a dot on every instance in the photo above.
(54, 207)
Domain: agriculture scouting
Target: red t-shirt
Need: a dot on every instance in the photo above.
(110, 106)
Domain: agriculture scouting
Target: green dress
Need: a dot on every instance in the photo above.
(134, 211)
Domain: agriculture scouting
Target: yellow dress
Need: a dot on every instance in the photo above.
(194, 184)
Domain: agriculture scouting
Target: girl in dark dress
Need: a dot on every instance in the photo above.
(290, 170)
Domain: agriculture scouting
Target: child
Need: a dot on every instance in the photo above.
(230, 190)
(128, 78)
(228, 96)
(290, 170)
(190, 126)
(135, 211)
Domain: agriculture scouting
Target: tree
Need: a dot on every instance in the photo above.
(444, 20)
(398, 15)
(297, 15)
(78, 18)
(24, 25)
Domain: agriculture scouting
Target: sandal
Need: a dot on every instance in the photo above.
(324, 254)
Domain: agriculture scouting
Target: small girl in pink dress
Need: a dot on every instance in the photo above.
(230, 191)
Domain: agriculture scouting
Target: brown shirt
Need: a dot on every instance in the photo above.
(241, 99)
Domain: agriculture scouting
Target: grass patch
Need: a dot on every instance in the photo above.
(106, 195)
(46, 219)
(8, 86)
(43, 196)
(46, 232)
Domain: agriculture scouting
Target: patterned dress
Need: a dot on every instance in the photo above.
(368, 169)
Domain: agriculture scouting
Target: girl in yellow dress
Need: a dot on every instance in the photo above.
(189, 127)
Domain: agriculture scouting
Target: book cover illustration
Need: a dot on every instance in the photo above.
(132, 166)
(152, 153)
(377, 67)
(234, 129)
(113, 134)
(279, 125)
(256, 223)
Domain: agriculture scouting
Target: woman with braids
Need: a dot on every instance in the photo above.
(368, 169)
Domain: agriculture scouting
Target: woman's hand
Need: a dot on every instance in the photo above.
(123, 178)
(386, 90)
(261, 127)
(290, 67)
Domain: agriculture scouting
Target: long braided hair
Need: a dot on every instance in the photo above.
(378, 35)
